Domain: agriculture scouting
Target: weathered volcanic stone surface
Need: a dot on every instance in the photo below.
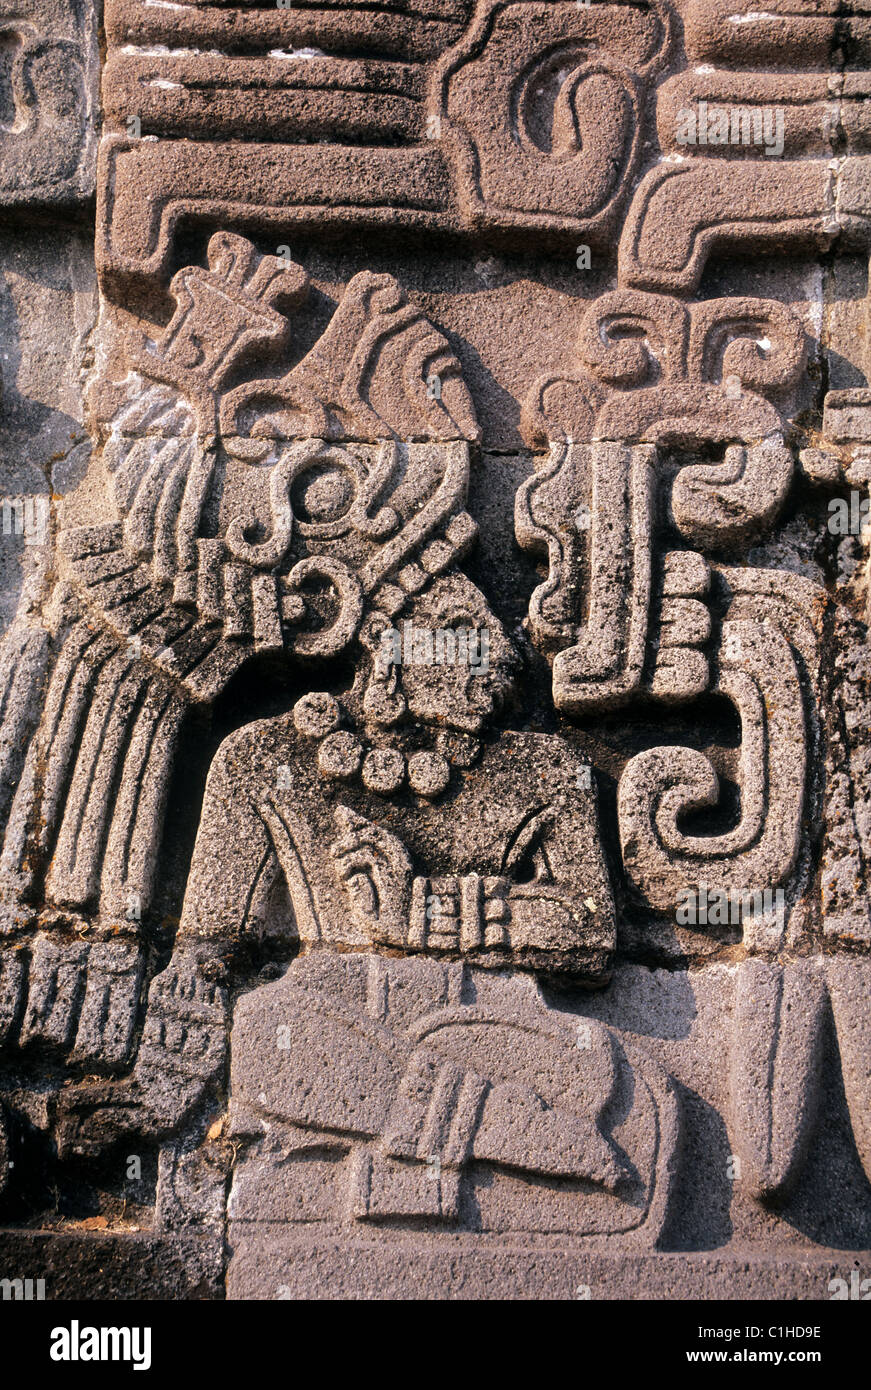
(435, 819)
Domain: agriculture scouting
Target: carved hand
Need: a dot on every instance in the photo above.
(376, 871)
(180, 1057)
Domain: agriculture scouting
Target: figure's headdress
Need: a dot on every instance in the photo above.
(364, 443)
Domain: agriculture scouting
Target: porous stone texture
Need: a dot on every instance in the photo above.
(434, 690)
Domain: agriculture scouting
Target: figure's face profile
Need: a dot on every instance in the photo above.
(457, 663)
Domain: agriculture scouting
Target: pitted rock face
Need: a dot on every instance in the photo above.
(434, 696)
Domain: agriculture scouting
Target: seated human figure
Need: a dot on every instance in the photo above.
(397, 821)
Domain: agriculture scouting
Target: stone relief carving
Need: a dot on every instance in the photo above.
(517, 841)
(428, 1122)
(403, 139)
(47, 131)
(383, 527)
(621, 620)
(552, 141)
